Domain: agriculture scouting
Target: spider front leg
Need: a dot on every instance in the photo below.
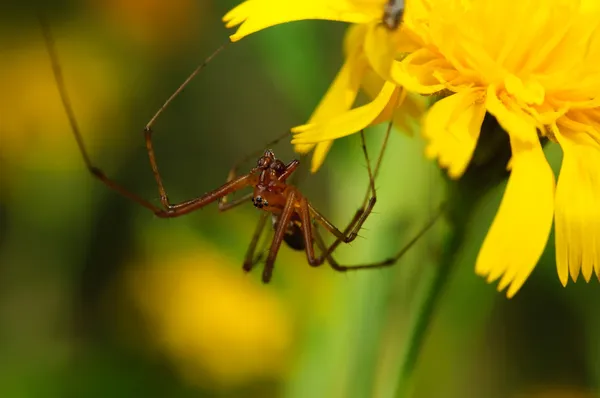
(168, 210)
(361, 215)
(250, 260)
(311, 236)
(174, 210)
(351, 231)
(307, 232)
(281, 227)
(356, 223)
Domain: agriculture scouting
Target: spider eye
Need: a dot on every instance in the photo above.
(259, 202)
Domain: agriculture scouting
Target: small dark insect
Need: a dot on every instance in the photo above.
(294, 218)
(392, 15)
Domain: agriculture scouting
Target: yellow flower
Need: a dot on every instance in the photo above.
(538, 79)
(160, 26)
(32, 128)
(211, 319)
(369, 46)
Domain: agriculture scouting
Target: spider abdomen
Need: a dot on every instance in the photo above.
(293, 236)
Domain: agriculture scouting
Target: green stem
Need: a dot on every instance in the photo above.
(460, 200)
(428, 303)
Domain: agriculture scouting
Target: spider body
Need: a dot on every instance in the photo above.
(271, 192)
(293, 234)
(270, 187)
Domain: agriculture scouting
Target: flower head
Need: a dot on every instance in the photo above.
(369, 45)
(537, 80)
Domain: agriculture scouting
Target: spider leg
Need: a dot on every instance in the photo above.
(250, 261)
(308, 234)
(196, 203)
(169, 210)
(184, 84)
(322, 245)
(351, 231)
(377, 167)
(289, 169)
(361, 215)
(224, 205)
(358, 220)
(384, 263)
(263, 249)
(60, 82)
(284, 220)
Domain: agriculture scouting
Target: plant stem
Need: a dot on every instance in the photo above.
(427, 305)
(460, 200)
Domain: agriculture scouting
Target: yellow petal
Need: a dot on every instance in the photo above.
(379, 49)
(355, 35)
(520, 230)
(528, 91)
(393, 105)
(578, 206)
(382, 46)
(343, 91)
(347, 123)
(452, 128)
(511, 117)
(412, 108)
(318, 158)
(339, 97)
(417, 14)
(255, 15)
(303, 148)
(414, 72)
(372, 83)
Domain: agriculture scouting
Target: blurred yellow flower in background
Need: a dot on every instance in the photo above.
(34, 127)
(537, 80)
(159, 25)
(212, 319)
(369, 45)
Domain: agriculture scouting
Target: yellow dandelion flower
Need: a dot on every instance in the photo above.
(538, 80)
(369, 46)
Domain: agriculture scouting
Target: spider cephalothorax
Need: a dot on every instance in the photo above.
(270, 189)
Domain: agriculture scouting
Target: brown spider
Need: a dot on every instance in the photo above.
(294, 219)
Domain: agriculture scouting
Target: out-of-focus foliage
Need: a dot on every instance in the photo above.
(100, 298)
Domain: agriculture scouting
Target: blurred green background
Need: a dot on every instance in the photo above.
(99, 298)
